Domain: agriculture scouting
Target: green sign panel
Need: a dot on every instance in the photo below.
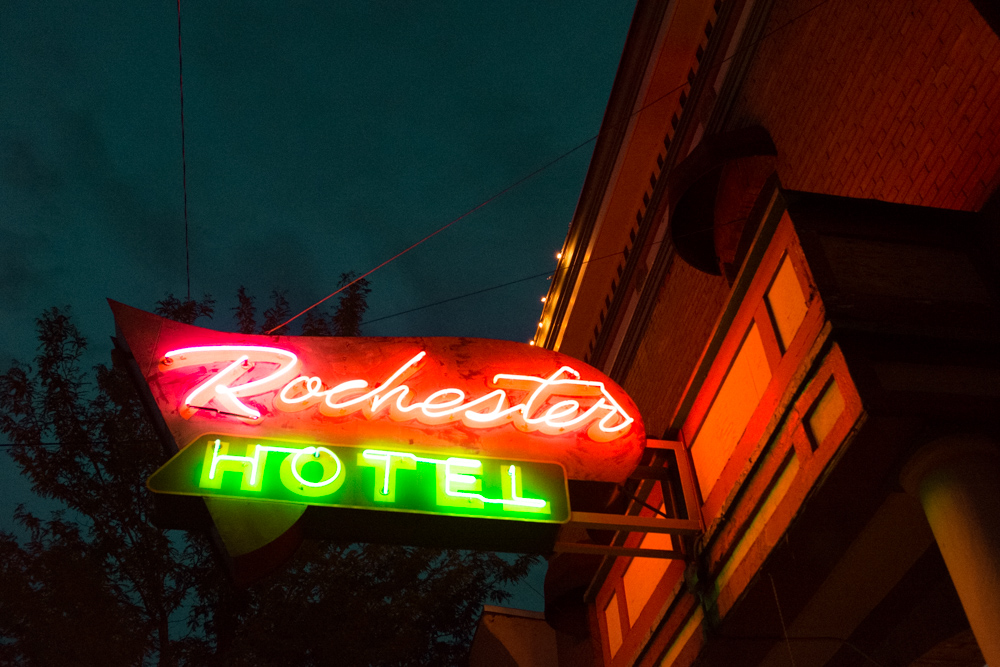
(379, 477)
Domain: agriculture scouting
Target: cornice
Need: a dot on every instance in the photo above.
(637, 53)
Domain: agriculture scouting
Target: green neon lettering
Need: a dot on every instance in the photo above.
(512, 499)
(456, 487)
(450, 496)
(345, 476)
(315, 454)
(388, 461)
(291, 471)
(386, 464)
(218, 462)
(245, 460)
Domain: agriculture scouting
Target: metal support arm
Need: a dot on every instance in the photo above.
(632, 523)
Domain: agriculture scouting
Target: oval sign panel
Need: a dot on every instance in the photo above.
(452, 396)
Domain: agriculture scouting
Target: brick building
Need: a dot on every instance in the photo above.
(785, 250)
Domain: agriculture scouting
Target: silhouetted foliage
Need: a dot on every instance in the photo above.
(316, 323)
(277, 313)
(352, 307)
(98, 584)
(56, 594)
(138, 575)
(246, 312)
(186, 311)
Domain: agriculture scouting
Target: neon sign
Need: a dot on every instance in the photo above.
(467, 432)
(604, 417)
(220, 466)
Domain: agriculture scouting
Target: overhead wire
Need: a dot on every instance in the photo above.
(180, 69)
(83, 442)
(485, 289)
(443, 227)
(439, 230)
(537, 275)
(531, 175)
(781, 617)
(379, 319)
(449, 224)
(460, 296)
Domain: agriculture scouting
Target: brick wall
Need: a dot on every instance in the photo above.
(687, 308)
(897, 100)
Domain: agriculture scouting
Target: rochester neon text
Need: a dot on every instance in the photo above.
(558, 403)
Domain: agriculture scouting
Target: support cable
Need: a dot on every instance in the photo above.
(522, 179)
(440, 229)
(180, 70)
(532, 277)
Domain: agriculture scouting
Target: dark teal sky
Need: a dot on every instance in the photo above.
(322, 137)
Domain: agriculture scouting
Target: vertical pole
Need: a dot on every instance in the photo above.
(957, 479)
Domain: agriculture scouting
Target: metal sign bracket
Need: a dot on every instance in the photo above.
(673, 471)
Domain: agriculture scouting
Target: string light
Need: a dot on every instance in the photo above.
(665, 95)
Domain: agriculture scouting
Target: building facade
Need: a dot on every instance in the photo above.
(785, 250)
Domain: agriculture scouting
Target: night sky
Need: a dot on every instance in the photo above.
(321, 138)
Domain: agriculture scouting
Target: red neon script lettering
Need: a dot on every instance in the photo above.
(559, 403)
(219, 386)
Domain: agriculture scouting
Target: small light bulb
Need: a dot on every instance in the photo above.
(531, 342)
(539, 325)
(558, 255)
(543, 299)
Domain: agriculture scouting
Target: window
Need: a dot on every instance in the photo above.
(643, 574)
(786, 303)
(731, 410)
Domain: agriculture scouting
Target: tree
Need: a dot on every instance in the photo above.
(353, 305)
(277, 313)
(55, 595)
(188, 310)
(99, 583)
(105, 535)
(246, 312)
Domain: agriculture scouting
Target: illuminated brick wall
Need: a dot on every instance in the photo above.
(898, 101)
(687, 307)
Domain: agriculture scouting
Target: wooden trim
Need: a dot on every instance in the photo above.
(775, 401)
(768, 336)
